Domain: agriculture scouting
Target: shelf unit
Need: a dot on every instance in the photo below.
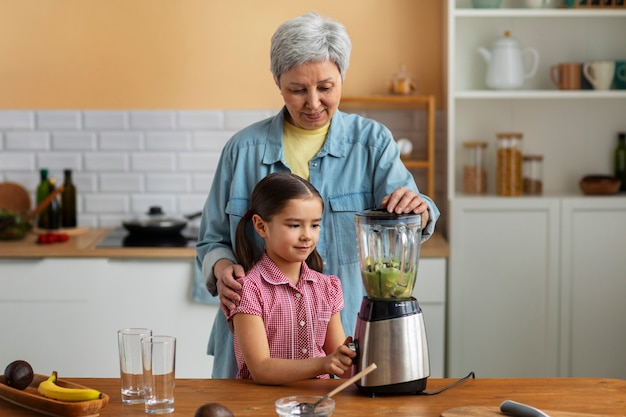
(539, 109)
(525, 272)
(426, 102)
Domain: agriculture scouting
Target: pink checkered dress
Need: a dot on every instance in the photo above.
(295, 317)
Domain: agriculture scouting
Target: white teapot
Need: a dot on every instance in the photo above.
(505, 63)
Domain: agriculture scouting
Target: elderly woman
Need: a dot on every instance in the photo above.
(352, 161)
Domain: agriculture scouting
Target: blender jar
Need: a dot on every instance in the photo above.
(389, 247)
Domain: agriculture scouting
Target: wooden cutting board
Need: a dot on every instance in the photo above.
(14, 197)
(482, 411)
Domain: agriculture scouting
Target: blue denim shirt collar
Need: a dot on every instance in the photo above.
(334, 145)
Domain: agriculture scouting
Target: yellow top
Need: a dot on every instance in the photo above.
(301, 146)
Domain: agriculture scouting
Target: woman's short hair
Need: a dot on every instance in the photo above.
(309, 38)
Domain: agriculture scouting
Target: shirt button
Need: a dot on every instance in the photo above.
(313, 164)
(298, 295)
(304, 350)
(302, 323)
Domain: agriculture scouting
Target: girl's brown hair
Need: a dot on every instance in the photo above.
(268, 198)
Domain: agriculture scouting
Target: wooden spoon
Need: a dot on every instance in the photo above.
(45, 203)
(309, 408)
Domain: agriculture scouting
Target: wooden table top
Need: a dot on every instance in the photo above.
(580, 395)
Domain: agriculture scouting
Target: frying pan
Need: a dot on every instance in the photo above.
(156, 223)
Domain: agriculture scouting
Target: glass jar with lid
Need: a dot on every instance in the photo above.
(533, 174)
(509, 164)
(474, 173)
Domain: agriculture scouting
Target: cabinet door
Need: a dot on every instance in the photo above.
(503, 287)
(594, 287)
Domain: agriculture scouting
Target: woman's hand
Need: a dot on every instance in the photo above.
(403, 200)
(340, 360)
(226, 275)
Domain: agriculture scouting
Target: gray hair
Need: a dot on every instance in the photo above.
(309, 38)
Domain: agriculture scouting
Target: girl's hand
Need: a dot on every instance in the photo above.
(403, 201)
(340, 360)
(226, 275)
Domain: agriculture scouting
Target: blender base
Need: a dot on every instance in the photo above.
(410, 387)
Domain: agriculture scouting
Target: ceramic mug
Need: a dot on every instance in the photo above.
(566, 76)
(620, 75)
(599, 73)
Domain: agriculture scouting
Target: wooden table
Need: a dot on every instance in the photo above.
(581, 395)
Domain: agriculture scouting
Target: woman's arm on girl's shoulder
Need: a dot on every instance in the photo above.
(265, 370)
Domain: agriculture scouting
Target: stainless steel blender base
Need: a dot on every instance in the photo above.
(396, 344)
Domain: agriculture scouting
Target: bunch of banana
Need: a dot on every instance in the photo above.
(50, 389)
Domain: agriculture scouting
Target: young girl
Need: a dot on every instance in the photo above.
(287, 325)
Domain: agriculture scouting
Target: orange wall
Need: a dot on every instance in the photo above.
(196, 54)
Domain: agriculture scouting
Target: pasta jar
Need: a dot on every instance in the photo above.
(474, 173)
(509, 179)
(533, 174)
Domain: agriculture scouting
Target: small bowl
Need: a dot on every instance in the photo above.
(600, 184)
(486, 4)
(288, 406)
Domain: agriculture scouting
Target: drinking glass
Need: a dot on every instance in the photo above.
(131, 369)
(159, 363)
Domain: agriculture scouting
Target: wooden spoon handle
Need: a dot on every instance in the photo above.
(352, 380)
(45, 202)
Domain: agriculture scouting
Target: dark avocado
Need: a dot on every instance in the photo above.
(18, 374)
(213, 410)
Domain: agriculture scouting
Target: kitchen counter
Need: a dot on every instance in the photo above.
(83, 245)
(605, 397)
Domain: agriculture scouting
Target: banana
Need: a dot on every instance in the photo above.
(50, 389)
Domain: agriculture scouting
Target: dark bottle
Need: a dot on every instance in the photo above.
(68, 201)
(620, 160)
(43, 189)
(54, 211)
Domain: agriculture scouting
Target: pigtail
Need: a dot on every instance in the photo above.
(315, 261)
(245, 250)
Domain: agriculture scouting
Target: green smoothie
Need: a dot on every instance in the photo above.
(384, 280)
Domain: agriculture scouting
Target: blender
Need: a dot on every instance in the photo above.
(390, 327)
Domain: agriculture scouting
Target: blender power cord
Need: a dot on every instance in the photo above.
(470, 375)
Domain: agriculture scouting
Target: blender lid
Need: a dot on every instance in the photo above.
(381, 215)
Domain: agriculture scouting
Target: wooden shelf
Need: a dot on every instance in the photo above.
(410, 101)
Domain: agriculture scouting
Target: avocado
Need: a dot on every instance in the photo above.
(18, 374)
(213, 410)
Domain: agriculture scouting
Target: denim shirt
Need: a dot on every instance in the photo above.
(357, 166)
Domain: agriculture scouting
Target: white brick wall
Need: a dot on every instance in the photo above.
(126, 161)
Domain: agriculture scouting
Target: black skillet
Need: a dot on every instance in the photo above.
(156, 223)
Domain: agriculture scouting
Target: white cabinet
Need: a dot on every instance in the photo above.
(430, 291)
(593, 304)
(537, 287)
(526, 295)
(503, 288)
(63, 314)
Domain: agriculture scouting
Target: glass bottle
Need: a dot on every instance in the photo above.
(68, 201)
(54, 211)
(533, 174)
(509, 179)
(43, 189)
(474, 173)
(620, 160)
